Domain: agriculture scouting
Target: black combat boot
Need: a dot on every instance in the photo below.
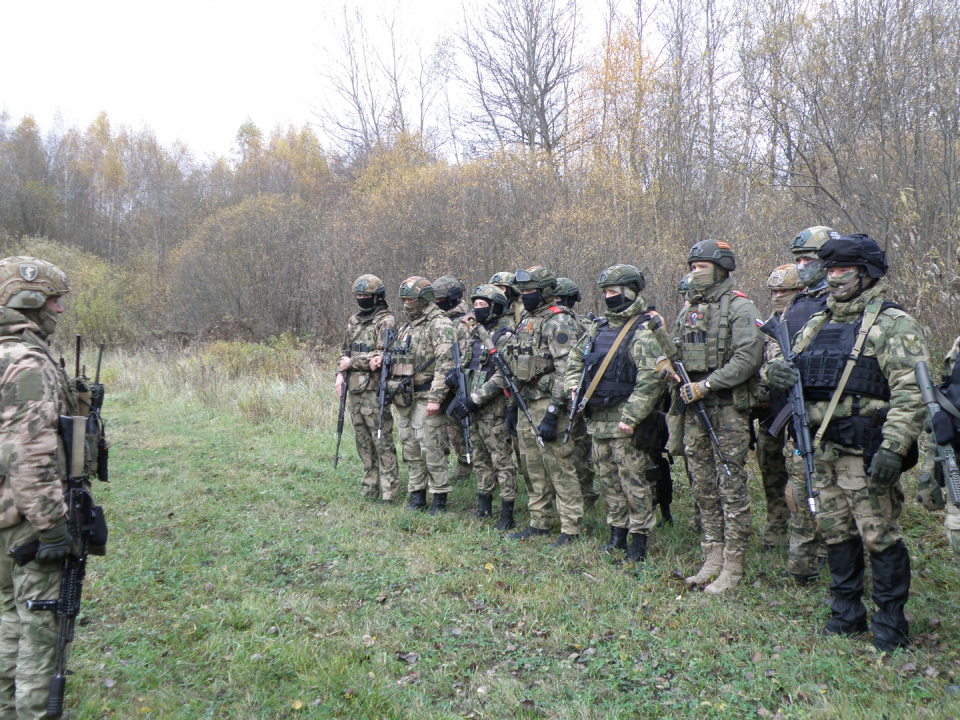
(848, 616)
(439, 504)
(564, 539)
(891, 589)
(618, 539)
(484, 506)
(418, 500)
(529, 532)
(506, 516)
(638, 548)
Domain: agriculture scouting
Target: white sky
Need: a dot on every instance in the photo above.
(192, 71)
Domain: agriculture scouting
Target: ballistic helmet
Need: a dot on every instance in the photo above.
(622, 275)
(785, 277)
(812, 239)
(536, 278)
(493, 295)
(717, 252)
(27, 282)
(416, 287)
(567, 290)
(854, 250)
(369, 285)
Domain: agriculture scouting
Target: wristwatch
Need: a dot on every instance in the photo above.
(551, 408)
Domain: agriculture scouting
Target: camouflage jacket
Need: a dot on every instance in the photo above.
(644, 351)
(950, 360)
(486, 384)
(34, 392)
(537, 353)
(431, 336)
(897, 342)
(366, 331)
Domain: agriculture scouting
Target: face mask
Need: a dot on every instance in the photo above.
(366, 303)
(567, 302)
(413, 311)
(846, 286)
(446, 304)
(780, 302)
(811, 273)
(531, 301)
(482, 314)
(44, 318)
(703, 279)
(615, 302)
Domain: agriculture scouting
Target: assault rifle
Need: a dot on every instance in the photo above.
(942, 433)
(672, 352)
(341, 413)
(512, 390)
(388, 337)
(461, 395)
(575, 408)
(778, 330)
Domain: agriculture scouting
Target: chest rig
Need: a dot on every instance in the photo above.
(478, 364)
(705, 343)
(528, 355)
(620, 376)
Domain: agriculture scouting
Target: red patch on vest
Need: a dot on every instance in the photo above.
(555, 310)
(738, 293)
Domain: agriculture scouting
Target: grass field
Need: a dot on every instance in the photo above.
(248, 579)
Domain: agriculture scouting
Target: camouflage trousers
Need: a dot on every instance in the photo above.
(773, 472)
(806, 543)
(550, 475)
(422, 439)
(28, 640)
(851, 505)
(381, 473)
(624, 484)
(493, 453)
(583, 462)
(723, 500)
(458, 443)
(951, 527)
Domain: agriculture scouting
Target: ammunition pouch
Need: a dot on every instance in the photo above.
(651, 435)
(358, 381)
(865, 434)
(693, 352)
(746, 396)
(399, 392)
(526, 366)
(359, 347)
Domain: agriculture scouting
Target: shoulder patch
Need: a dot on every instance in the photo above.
(912, 344)
(563, 338)
(555, 310)
(29, 385)
(738, 293)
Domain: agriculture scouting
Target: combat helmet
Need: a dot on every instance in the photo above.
(417, 287)
(717, 252)
(623, 275)
(812, 239)
(567, 292)
(536, 278)
(449, 287)
(684, 284)
(507, 281)
(858, 250)
(785, 277)
(27, 282)
(370, 285)
(493, 295)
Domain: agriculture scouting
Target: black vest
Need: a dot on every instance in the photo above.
(620, 377)
(801, 310)
(479, 359)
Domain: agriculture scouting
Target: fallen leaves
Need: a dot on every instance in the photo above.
(368, 641)
(411, 658)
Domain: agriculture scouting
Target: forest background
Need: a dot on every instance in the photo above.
(511, 143)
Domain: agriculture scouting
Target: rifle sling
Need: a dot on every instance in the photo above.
(944, 402)
(607, 358)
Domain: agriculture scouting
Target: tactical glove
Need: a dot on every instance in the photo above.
(691, 392)
(885, 468)
(511, 422)
(452, 379)
(548, 427)
(462, 408)
(782, 375)
(665, 369)
(56, 544)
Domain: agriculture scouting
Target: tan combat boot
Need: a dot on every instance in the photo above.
(712, 565)
(732, 572)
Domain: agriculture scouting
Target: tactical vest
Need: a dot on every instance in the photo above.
(801, 310)
(526, 355)
(364, 340)
(480, 358)
(951, 391)
(703, 345)
(620, 377)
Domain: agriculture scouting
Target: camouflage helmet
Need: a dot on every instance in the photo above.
(810, 240)
(684, 284)
(493, 295)
(536, 278)
(507, 280)
(416, 287)
(625, 275)
(717, 252)
(27, 282)
(785, 277)
(449, 287)
(567, 288)
(369, 285)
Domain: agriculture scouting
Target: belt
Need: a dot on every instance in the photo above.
(423, 387)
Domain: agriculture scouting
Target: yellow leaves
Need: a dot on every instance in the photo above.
(488, 567)
(297, 705)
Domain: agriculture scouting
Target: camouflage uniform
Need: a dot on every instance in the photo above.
(364, 339)
(33, 394)
(457, 314)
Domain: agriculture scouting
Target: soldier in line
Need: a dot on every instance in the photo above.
(857, 362)
(421, 360)
(620, 404)
(505, 282)
(486, 404)
(721, 349)
(448, 293)
(34, 393)
(537, 355)
(362, 355)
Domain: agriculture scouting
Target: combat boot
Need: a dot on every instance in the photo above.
(439, 504)
(730, 575)
(891, 589)
(638, 548)
(418, 500)
(564, 539)
(618, 540)
(712, 565)
(848, 616)
(529, 532)
(484, 506)
(506, 516)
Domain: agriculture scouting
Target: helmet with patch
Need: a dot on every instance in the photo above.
(785, 277)
(812, 239)
(536, 278)
(27, 282)
(369, 285)
(717, 252)
(416, 287)
(622, 275)
(493, 295)
(567, 290)
(855, 251)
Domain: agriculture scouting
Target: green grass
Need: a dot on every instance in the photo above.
(248, 579)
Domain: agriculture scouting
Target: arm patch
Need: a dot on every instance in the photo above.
(29, 386)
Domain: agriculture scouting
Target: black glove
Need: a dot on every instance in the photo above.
(56, 544)
(548, 427)
(462, 408)
(782, 375)
(452, 379)
(512, 414)
(885, 468)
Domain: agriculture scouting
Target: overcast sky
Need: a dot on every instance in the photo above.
(193, 70)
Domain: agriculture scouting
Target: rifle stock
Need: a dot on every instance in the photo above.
(388, 338)
(461, 395)
(575, 408)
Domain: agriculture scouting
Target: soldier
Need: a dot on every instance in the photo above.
(487, 405)
(784, 284)
(568, 295)
(421, 359)
(722, 349)
(35, 392)
(505, 282)
(621, 406)
(537, 355)
(362, 356)
(448, 292)
(856, 361)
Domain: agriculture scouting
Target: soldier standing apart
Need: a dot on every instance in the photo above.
(448, 294)
(856, 361)
(421, 359)
(537, 356)
(362, 356)
(784, 284)
(721, 349)
(568, 295)
(34, 393)
(487, 405)
(622, 391)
